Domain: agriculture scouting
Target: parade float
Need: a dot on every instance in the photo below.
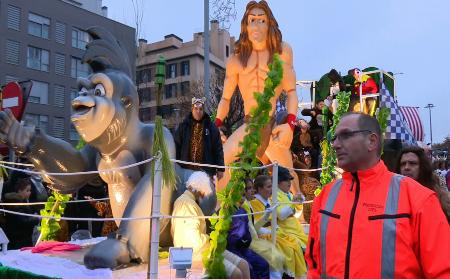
(121, 150)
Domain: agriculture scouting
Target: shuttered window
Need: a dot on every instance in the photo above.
(59, 96)
(10, 79)
(13, 17)
(58, 127)
(12, 52)
(60, 33)
(60, 64)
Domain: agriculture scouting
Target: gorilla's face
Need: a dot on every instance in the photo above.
(93, 111)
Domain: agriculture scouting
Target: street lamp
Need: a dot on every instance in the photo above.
(429, 107)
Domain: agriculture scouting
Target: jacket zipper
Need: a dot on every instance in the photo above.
(350, 227)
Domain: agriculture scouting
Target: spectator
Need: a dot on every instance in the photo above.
(191, 232)
(308, 182)
(372, 222)
(413, 163)
(302, 142)
(19, 229)
(197, 140)
(316, 123)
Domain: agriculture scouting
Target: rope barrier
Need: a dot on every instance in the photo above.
(5, 163)
(148, 217)
(41, 203)
(81, 172)
(17, 164)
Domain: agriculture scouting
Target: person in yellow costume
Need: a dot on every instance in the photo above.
(262, 247)
(247, 68)
(290, 238)
(191, 232)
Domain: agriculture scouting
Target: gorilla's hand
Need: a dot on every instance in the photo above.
(107, 254)
(12, 133)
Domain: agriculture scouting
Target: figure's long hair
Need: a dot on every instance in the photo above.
(426, 175)
(243, 47)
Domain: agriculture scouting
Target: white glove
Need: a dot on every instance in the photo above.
(263, 231)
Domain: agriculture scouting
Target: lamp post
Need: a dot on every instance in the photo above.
(429, 107)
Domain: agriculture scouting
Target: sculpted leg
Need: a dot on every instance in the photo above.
(133, 237)
(231, 149)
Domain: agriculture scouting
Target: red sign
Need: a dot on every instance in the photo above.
(12, 99)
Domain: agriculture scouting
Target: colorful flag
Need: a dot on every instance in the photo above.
(411, 114)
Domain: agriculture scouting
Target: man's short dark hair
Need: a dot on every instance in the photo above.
(260, 180)
(367, 122)
(21, 184)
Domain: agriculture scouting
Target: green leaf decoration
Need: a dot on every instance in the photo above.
(159, 145)
(54, 207)
(260, 116)
(329, 155)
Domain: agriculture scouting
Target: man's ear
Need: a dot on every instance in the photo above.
(373, 142)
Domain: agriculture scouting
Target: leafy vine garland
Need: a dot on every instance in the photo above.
(260, 116)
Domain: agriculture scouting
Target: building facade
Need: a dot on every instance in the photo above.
(184, 72)
(44, 41)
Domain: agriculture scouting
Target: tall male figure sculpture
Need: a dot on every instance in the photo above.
(247, 69)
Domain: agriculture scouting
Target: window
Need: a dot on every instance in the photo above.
(73, 134)
(39, 93)
(58, 127)
(60, 64)
(38, 59)
(170, 91)
(36, 120)
(144, 95)
(38, 25)
(185, 68)
(73, 93)
(9, 79)
(77, 69)
(13, 18)
(79, 38)
(227, 51)
(143, 76)
(185, 88)
(12, 52)
(171, 70)
(60, 33)
(59, 96)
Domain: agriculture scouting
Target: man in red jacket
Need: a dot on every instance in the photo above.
(373, 223)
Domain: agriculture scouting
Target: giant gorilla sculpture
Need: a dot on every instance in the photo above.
(105, 114)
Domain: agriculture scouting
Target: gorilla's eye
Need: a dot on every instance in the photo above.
(99, 90)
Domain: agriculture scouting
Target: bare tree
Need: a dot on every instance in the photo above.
(138, 10)
(223, 11)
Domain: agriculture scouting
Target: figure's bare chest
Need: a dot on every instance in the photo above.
(125, 177)
(256, 65)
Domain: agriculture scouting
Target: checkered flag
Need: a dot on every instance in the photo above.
(397, 126)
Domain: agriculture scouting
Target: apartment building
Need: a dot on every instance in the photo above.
(184, 72)
(44, 41)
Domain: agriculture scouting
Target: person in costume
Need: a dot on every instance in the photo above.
(262, 247)
(239, 240)
(191, 232)
(290, 236)
(368, 86)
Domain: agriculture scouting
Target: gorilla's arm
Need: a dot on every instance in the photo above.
(51, 154)
(48, 154)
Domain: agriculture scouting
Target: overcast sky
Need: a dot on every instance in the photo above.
(409, 37)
